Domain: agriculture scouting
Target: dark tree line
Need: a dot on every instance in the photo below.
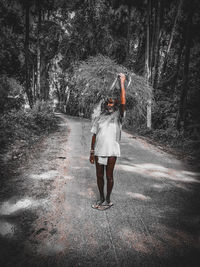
(156, 39)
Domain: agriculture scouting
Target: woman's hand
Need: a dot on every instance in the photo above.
(122, 77)
(92, 158)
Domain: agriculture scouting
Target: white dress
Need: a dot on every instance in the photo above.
(108, 132)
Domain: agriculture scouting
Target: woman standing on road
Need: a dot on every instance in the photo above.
(105, 147)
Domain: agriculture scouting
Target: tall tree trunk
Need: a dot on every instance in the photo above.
(180, 52)
(171, 37)
(38, 90)
(147, 57)
(26, 48)
(157, 71)
(183, 96)
(44, 83)
(158, 14)
(147, 61)
(128, 33)
(139, 65)
(152, 37)
(139, 46)
(33, 83)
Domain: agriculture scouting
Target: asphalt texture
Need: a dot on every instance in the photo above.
(155, 219)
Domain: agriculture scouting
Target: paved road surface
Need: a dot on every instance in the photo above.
(155, 220)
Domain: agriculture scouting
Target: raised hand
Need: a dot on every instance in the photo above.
(122, 77)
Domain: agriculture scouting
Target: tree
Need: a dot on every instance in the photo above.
(178, 11)
(184, 92)
(158, 32)
(38, 87)
(26, 48)
(147, 62)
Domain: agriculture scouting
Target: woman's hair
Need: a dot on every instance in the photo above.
(113, 100)
(96, 111)
(101, 107)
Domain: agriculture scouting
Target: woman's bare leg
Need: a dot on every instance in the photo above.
(109, 175)
(100, 179)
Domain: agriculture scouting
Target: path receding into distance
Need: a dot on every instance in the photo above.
(155, 220)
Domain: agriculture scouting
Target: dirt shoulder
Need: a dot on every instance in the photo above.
(29, 182)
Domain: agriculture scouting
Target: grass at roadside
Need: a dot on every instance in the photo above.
(20, 129)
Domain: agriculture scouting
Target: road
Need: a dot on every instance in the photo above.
(46, 217)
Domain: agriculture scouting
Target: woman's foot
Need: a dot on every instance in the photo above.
(107, 199)
(104, 206)
(107, 204)
(98, 204)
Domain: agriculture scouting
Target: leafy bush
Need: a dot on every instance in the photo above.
(133, 121)
(25, 124)
(10, 94)
(43, 115)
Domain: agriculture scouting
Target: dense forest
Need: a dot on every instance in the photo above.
(63, 54)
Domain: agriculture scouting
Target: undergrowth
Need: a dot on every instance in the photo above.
(25, 125)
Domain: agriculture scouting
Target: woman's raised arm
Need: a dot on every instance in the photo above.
(122, 94)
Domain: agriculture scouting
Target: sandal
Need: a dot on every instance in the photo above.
(106, 205)
(97, 205)
(102, 206)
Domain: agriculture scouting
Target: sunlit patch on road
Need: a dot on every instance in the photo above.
(51, 247)
(89, 193)
(196, 174)
(7, 229)
(163, 186)
(68, 177)
(45, 175)
(61, 124)
(138, 196)
(158, 171)
(79, 167)
(8, 207)
(158, 186)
